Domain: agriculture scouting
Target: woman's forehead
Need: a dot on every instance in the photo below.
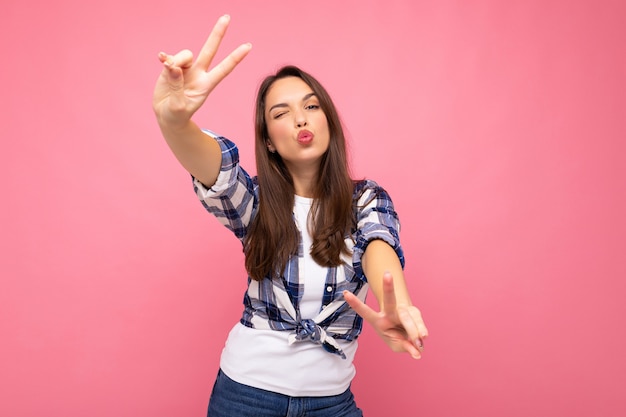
(286, 90)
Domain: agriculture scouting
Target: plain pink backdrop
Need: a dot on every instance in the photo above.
(498, 128)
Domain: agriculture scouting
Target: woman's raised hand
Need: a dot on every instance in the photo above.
(401, 327)
(184, 84)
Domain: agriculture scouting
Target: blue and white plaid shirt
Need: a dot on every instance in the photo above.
(273, 303)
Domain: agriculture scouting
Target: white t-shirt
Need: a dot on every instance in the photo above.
(265, 359)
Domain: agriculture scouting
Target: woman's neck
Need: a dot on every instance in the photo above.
(304, 187)
(304, 180)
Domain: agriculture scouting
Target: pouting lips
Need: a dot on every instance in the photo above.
(305, 137)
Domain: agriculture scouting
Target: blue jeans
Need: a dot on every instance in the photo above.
(232, 399)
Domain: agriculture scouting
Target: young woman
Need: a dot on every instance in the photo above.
(314, 240)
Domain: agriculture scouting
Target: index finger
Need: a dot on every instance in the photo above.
(359, 307)
(213, 42)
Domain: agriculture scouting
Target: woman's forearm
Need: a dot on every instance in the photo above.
(379, 258)
(197, 152)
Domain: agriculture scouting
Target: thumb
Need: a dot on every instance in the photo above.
(176, 82)
(173, 75)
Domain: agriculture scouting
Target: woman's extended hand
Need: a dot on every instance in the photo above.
(400, 326)
(184, 84)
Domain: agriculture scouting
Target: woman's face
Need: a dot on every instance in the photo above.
(296, 124)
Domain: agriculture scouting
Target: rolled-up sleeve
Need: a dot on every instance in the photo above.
(376, 219)
(233, 197)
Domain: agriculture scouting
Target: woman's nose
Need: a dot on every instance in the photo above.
(300, 120)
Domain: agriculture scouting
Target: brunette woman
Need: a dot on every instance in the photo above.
(314, 240)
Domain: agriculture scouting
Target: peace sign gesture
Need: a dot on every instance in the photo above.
(400, 326)
(184, 84)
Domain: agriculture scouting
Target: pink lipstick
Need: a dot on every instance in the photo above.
(305, 137)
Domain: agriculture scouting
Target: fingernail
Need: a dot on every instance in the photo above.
(419, 344)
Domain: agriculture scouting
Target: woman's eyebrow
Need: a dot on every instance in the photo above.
(305, 98)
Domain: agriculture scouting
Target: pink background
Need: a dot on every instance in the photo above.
(497, 127)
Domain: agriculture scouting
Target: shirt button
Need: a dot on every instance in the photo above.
(329, 288)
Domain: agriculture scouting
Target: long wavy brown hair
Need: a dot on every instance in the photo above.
(272, 236)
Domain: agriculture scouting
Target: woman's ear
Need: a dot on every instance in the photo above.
(270, 147)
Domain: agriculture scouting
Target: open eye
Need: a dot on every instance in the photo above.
(312, 106)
